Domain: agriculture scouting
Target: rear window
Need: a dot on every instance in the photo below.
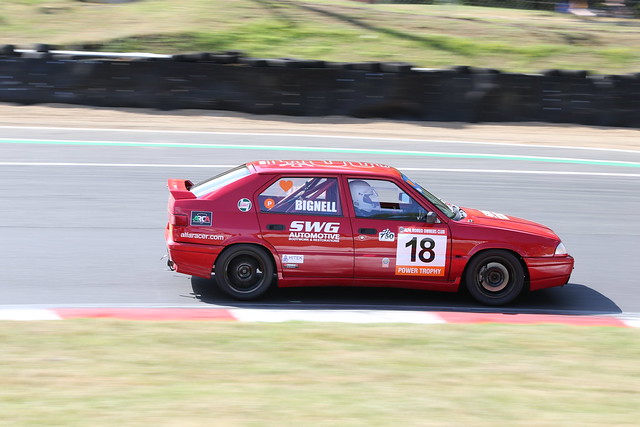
(304, 195)
(225, 178)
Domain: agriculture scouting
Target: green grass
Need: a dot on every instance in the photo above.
(105, 373)
(434, 36)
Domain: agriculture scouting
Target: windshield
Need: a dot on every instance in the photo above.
(219, 181)
(450, 211)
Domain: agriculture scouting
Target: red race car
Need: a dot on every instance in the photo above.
(335, 223)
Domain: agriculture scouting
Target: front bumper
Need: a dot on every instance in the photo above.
(549, 271)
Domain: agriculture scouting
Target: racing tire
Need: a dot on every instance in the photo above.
(244, 272)
(494, 277)
(7, 50)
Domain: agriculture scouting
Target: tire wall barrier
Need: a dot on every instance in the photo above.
(230, 81)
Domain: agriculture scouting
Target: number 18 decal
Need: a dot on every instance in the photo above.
(421, 252)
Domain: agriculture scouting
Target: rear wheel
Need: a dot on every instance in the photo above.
(244, 272)
(494, 277)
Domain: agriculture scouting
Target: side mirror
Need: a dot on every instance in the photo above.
(432, 218)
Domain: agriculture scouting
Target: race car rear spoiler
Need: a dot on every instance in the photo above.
(179, 189)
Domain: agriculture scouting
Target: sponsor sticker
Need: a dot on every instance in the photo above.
(316, 206)
(314, 231)
(385, 262)
(494, 215)
(269, 203)
(244, 205)
(386, 236)
(421, 252)
(201, 218)
(286, 185)
(293, 259)
(203, 236)
(320, 163)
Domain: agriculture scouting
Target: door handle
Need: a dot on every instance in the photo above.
(367, 231)
(277, 227)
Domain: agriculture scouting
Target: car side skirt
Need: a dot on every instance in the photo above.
(375, 283)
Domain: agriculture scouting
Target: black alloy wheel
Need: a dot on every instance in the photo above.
(494, 277)
(244, 272)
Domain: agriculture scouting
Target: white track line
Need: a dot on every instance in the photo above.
(342, 316)
(302, 135)
(631, 320)
(314, 149)
(28, 314)
(151, 165)
(115, 165)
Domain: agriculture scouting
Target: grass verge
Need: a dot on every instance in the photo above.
(104, 373)
(336, 30)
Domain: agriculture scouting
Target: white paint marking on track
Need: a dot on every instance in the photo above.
(632, 320)
(302, 135)
(536, 172)
(341, 316)
(308, 148)
(632, 323)
(115, 165)
(28, 314)
(497, 171)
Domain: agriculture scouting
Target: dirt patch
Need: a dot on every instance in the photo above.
(66, 116)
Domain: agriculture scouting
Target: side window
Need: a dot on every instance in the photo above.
(300, 195)
(379, 199)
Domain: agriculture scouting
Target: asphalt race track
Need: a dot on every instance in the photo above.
(82, 215)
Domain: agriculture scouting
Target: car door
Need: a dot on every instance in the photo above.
(302, 217)
(392, 239)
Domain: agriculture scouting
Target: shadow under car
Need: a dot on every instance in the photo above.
(571, 299)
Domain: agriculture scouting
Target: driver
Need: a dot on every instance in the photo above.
(365, 198)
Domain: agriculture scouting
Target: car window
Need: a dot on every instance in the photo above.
(219, 181)
(441, 205)
(302, 195)
(380, 199)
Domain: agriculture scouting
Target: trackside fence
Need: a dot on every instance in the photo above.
(232, 81)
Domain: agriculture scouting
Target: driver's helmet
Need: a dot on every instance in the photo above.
(365, 198)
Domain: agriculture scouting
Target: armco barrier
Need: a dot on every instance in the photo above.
(230, 81)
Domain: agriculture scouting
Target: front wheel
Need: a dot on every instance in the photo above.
(244, 272)
(494, 277)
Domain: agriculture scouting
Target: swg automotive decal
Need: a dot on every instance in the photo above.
(314, 231)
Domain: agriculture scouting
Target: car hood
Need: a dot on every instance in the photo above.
(498, 220)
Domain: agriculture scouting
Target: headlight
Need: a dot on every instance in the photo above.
(561, 250)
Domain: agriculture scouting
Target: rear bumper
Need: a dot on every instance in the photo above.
(192, 259)
(549, 271)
